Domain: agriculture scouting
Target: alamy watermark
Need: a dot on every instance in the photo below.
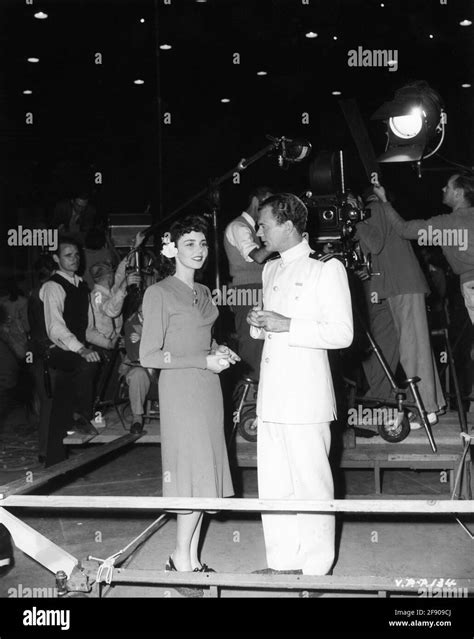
(22, 592)
(22, 236)
(237, 296)
(371, 416)
(361, 57)
(443, 237)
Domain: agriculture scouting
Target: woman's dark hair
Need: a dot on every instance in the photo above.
(196, 223)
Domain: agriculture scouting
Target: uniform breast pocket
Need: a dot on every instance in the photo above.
(298, 292)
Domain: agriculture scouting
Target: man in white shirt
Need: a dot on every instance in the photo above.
(246, 256)
(306, 310)
(69, 326)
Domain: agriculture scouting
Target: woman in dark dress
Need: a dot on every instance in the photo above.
(178, 318)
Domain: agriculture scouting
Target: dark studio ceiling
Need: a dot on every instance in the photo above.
(92, 117)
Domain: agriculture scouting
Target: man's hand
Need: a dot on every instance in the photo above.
(273, 322)
(380, 192)
(89, 355)
(139, 238)
(132, 278)
(134, 338)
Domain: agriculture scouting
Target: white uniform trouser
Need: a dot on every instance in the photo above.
(293, 464)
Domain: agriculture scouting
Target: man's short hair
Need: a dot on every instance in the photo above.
(260, 192)
(286, 206)
(66, 239)
(465, 181)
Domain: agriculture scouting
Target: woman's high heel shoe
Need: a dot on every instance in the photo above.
(183, 590)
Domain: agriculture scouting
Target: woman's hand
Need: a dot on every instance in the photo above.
(225, 350)
(218, 362)
(134, 338)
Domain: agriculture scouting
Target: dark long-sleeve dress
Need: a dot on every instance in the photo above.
(177, 338)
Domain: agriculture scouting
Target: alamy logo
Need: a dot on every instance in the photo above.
(33, 237)
(371, 416)
(361, 57)
(443, 237)
(38, 617)
(22, 592)
(237, 297)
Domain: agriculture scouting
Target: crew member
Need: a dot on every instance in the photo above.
(246, 256)
(453, 232)
(69, 325)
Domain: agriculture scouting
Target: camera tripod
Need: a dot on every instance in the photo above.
(400, 428)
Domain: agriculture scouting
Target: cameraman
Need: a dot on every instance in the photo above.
(396, 306)
(454, 232)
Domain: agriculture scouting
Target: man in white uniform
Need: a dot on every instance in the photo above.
(307, 310)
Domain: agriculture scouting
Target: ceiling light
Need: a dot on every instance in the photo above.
(431, 36)
(465, 23)
(165, 47)
(225, 100)
(41, 15)
(33, 60)
(261, 73)
(466, 85)
(142, 20)
(334, 37)
(27, 92)
(311, 34)
(139, 81)
(336, 93)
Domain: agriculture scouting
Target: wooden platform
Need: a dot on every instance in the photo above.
(375, 453)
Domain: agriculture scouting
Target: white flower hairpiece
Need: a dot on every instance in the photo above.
(169, 249)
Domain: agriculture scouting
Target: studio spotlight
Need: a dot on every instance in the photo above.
(414, 118)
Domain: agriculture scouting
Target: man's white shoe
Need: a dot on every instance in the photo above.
(415, 424)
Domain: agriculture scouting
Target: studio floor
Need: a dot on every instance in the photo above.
(401, 546)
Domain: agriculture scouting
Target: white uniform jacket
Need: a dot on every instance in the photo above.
(295, 379)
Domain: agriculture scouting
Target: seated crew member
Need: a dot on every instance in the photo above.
(138, 378)
(69, 325)
(246, 256)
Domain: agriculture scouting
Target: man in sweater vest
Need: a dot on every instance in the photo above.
(69, 323)
(246, 256)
